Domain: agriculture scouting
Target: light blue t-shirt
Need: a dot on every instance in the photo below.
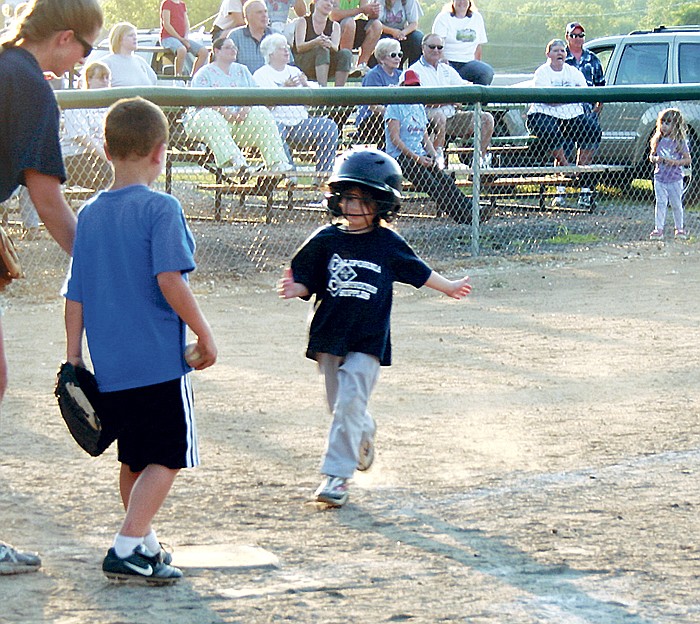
(413, 121)
(125, 238)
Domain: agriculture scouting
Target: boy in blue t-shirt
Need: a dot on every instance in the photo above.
(350, 268)
(127, 290)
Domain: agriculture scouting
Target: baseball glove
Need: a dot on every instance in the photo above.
(78, 396)
(10, 268)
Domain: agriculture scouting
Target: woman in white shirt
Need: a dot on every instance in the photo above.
(224, 128)
(128, 68)
(462, 28)
(297, 128)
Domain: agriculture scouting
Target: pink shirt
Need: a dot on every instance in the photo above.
(178, 15)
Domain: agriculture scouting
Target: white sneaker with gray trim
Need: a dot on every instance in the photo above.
(13, 561)
(333, 491)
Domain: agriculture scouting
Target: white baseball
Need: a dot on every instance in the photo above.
(191, 354)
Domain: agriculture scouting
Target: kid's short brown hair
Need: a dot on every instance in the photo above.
(133, 127)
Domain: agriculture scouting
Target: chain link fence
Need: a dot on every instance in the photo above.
(249, 167)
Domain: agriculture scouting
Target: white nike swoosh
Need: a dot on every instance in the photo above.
(146, 571)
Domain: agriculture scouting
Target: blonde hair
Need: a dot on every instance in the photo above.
(96, 69)
(674, 117)
(133, 127)
(41, 19)
(117, 34)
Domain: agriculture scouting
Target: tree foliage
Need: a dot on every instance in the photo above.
(147, 14)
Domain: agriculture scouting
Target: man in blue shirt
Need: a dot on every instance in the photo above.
(584, 60)
(592, 69)
(247, 38)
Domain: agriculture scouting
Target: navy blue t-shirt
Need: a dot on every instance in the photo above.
(29, 122)
(352, 277)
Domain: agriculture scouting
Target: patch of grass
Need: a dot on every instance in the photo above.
(564, 237)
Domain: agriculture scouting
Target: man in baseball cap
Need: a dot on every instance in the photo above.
(592, 69)
(572, 26)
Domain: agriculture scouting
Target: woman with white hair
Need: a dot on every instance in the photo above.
(297, 128)
(386, 73)
(224, 128)
(128, 68)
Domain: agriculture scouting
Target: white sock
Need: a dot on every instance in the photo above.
(124, 545)
(151, 542)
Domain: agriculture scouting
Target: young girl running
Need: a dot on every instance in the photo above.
(669, 152)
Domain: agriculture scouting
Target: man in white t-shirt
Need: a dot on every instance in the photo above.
(435, 72)
(554, 123)
(230, 16)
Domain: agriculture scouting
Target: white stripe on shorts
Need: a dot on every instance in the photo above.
(192, 451)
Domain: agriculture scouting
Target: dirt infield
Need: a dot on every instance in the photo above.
(538, 460)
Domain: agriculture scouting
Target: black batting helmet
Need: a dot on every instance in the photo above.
(372, 169)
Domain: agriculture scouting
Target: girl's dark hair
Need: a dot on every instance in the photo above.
(42, 18)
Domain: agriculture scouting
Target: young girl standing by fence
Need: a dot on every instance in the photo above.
(669, 152)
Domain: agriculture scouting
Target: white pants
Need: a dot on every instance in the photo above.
(668, 193)
(349, 384)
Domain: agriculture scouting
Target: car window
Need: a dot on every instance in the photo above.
(689, 60)
(603, 53)
(643, 63)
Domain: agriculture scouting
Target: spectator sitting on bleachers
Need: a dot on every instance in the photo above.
(370, 117)
(399, 20)
(248, 38)
(82, 140)
(225, 128)
(278, 12)
(296, 126)
(462, 28)
(230, 16)
(128, 68)
(359, 28)
(175, 33)
(408, 141)
(556, 123)
(434, 72)
(316, 46)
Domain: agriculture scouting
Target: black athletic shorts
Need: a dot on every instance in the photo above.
(153, 424)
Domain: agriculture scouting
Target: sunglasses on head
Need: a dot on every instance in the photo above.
(434, 46)
(87, 47)
(396, 54)
(578, 35)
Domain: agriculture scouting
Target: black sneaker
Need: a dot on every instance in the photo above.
(139, 567)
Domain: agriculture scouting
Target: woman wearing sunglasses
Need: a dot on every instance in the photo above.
(370, 117)
(48, 36)
(462, 28)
